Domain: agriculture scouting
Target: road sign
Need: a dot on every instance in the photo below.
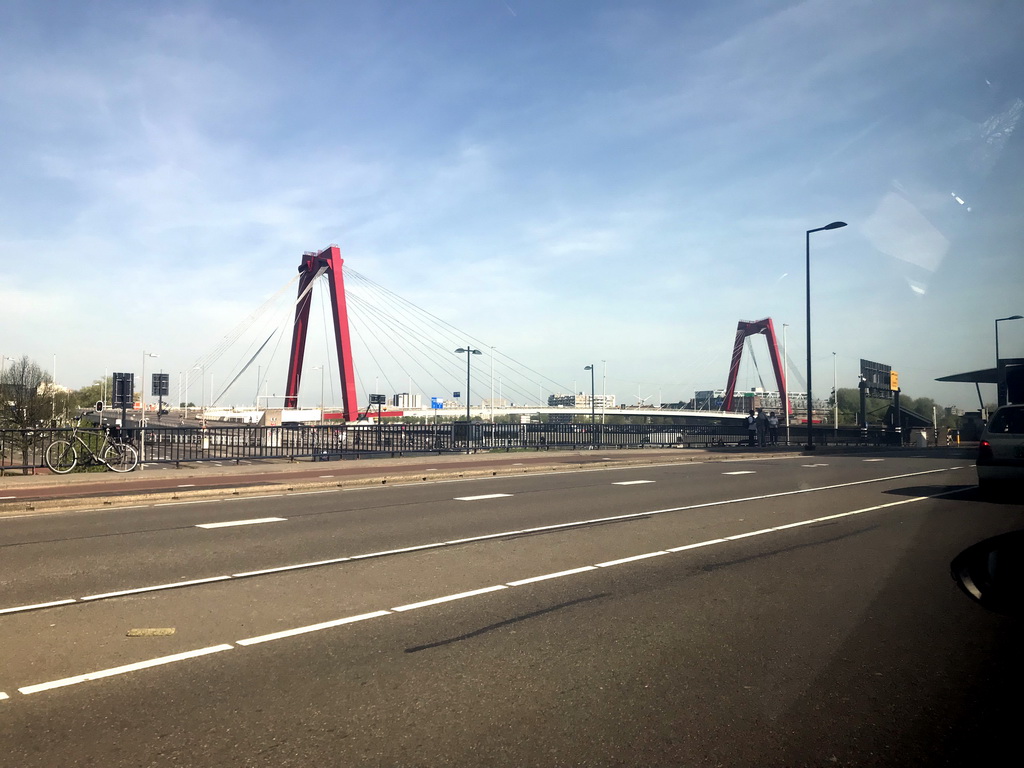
(124, 386)
(437, 402)
(161, 384)
(877, 378)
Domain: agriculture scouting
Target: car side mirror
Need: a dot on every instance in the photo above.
(991, 573)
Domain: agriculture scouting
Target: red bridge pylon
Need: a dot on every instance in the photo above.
(755, 328)
(314, 265)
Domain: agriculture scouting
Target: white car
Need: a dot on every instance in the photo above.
(1001, 451)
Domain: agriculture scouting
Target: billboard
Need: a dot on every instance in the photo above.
(878, 378)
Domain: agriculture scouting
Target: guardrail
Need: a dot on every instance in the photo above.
(23, 450)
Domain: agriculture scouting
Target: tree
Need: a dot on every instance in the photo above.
(88, 396)
(27, 393)
(27, 400)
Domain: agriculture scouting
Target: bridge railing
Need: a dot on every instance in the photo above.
(24, 449)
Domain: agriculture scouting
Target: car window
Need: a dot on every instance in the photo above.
(1009, 421)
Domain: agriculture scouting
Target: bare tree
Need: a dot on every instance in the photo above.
(26, 401)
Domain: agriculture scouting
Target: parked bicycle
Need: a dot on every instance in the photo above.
(114, 451)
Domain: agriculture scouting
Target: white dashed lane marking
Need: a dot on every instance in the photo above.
(255, 521)
(480, 498)
(741, 472)
(633, 482)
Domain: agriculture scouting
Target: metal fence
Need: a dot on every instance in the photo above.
(24, 450)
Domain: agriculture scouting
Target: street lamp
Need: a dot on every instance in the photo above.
(467, 351)
(810, 414)
(1000, 384)
(835, 400)
(785, 377)
(592, 398)
(142, 434)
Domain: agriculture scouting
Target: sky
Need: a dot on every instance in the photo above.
(572, 182)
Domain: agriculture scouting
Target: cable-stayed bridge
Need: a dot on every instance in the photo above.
(365, 340)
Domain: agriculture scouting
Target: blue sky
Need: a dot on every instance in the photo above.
(570, 182)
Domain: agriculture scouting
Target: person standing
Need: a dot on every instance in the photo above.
(752, 429)
(761, 423)
(773, 429)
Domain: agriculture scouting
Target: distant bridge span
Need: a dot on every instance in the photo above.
(533, 410)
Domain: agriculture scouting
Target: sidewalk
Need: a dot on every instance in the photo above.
(156, 483)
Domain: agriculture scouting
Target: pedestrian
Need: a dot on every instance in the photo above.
(752, 429)
(761, 426)
(773, 428)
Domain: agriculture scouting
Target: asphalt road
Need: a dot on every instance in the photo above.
(781, 612)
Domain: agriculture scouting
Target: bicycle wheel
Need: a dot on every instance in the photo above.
(61, 457)
(121, 457)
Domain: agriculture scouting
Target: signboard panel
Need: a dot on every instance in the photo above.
(437, 402)
(161, 384)
(124, 386)
(877, 378)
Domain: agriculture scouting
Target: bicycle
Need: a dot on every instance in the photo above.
(115, 453)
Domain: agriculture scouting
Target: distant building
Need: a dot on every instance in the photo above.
(406, 400)
(581, 401)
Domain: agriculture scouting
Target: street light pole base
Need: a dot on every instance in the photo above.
(809, 447)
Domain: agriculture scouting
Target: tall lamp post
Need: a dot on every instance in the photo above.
(785, 377)
(142, 433)
(1000, 384)
(593, 420)
(468, 352)
(835, 400)
(810, 407)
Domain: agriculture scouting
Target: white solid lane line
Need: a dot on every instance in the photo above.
(124, 669)
(547, 576)
(256, 521)
(155, 588)
(623, 560)
(485, 496)
(634, 482)
(448, 598)
(311, 628)
(19, 608)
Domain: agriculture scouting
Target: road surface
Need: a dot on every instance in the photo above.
(778, 612)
